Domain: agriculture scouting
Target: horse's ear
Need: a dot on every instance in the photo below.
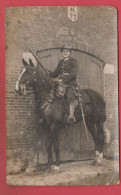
(31, 63)
(25, 63)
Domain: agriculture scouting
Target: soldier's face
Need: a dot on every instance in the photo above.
(65, 53)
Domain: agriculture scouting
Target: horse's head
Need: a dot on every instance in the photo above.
(26, 78)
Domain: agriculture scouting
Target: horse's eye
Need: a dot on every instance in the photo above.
(21, 69)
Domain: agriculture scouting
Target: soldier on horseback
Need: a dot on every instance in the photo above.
(65, 75)
(91, 103)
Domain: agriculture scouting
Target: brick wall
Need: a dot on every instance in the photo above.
(96, 33)
(111, 97)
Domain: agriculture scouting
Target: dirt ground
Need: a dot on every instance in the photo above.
(71, 173)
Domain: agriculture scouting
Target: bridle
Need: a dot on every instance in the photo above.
(27, 85)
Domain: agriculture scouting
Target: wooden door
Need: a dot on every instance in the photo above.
(73, 141)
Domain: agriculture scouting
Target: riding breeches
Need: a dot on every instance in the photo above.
(70, 94)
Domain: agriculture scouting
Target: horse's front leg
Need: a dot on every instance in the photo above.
(49, 140)
(56, 146)
(55, 132)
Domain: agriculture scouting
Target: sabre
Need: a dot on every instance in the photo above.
(46, 73)
(82, 114)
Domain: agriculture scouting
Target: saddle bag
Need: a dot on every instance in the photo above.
(61, 90)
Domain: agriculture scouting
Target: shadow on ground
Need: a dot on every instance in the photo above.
(71, 173)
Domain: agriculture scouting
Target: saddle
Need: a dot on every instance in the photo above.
(80, 98)
(61, 90)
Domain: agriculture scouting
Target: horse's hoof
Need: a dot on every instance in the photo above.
(53, 171)
(30, 170)
(47, 169)
(23, 170)
(55, 168)
(93, 163)
(98, 164)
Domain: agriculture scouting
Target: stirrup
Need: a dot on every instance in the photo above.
(40, 120)
(71, 120)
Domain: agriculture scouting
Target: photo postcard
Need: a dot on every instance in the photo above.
(61, 78)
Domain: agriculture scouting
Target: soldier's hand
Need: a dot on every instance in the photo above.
(48, 71)
(59, 80)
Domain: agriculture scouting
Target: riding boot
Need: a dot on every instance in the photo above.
(71, 118)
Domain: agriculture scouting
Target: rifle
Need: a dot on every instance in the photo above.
(45, 70)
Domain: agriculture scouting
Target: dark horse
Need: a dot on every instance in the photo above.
(52, 114)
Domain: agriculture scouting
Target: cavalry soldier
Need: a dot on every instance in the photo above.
(65, 74)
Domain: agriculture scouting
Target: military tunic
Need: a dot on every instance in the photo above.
(67, 71)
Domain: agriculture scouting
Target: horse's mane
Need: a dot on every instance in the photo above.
(42, 79)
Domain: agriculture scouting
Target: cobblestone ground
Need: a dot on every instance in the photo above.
(73, 173)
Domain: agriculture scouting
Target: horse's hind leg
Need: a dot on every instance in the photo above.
(96, 130)
(100, 141)
(91, 127)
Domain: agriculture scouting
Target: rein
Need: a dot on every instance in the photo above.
(45, 70)
(34, 78)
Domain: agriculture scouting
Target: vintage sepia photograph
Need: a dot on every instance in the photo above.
(61, 78)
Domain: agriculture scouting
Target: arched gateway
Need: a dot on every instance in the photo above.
(73, 141)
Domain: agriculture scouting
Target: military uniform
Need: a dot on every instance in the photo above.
(67, 71)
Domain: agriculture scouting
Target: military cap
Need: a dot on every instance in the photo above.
(65, 47)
